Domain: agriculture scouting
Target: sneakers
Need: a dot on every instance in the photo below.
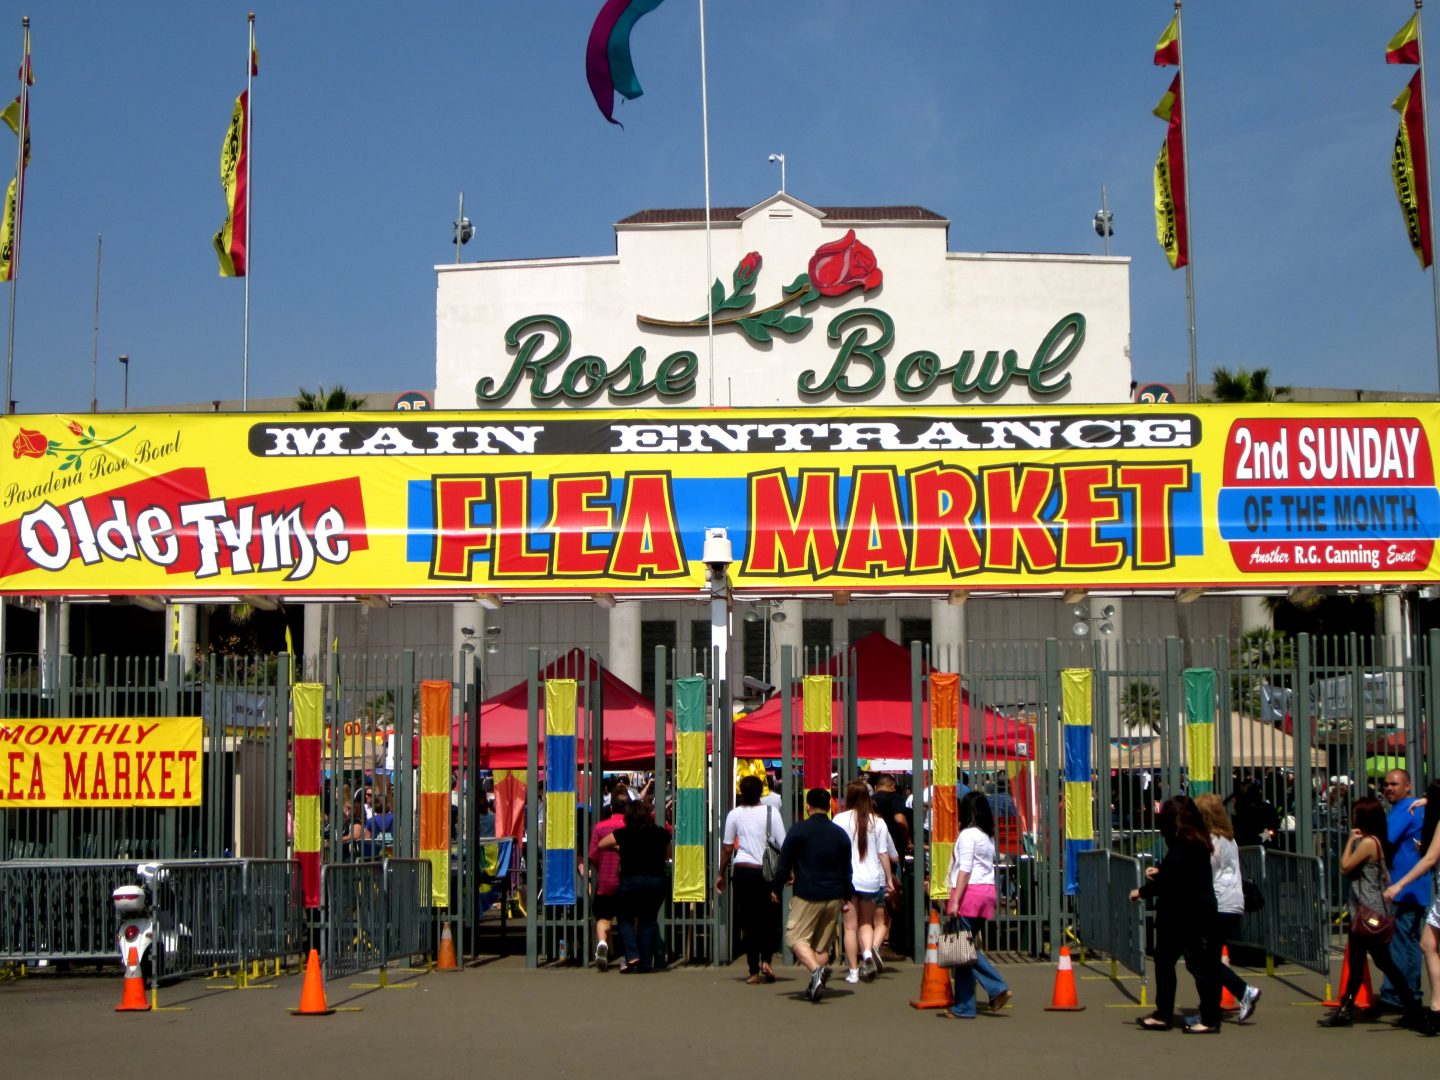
(817, 983)
(867, 967)
(879, 964)
(998, 1001)
(1248, 1003)
(852, 977)
(602, 955)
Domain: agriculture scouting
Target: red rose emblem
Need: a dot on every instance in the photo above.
(837, 268)
(76, 429)
(746, 271)
(29, 444)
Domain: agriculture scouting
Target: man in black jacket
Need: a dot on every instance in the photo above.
(817, 852)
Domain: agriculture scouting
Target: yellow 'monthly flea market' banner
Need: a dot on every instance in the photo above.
(521, 503)
(104, 762)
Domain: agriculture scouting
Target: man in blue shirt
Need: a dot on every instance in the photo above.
(1410, 904)
(817, 852)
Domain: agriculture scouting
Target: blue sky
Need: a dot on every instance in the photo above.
(1005, 117)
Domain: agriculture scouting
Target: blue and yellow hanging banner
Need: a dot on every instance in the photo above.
(560, 769)
(547, 502)
(1077, 698)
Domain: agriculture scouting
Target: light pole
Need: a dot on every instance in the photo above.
(781, 159)
(125, 363)
(1104, 220)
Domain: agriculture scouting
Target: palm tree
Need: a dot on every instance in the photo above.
(1244, 386)
(336, 399)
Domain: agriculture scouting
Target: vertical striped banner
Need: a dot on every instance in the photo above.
(690, 810)
(307, 701)
(560, 699)
(817, 725)
(1076, 705)
(435, 786)
(1199, 686)
(944, 771)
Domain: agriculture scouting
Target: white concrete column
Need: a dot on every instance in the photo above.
(1397, 648)
(313, 645)
(622, 654)
(64, 628)
(1253, 614)
(467, 614)
(948, 626)
(790, 632)
(180, 623)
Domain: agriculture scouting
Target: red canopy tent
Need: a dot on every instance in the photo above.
(629, 719)
(882, 690)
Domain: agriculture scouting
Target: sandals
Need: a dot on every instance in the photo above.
(754, 980)
(1153, 1023)
(767, 974)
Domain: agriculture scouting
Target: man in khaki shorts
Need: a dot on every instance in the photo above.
(817, 853)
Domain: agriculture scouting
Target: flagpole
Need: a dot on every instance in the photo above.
(95, 341)
(1429, 184)
(1194, 387)
(19, 205)
(709, 271)
(249, 209)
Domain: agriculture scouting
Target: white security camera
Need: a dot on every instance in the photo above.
(717, 555)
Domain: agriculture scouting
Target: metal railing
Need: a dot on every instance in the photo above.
(1252, 931)
(1105, 919)
(54, 911)
(1297, 915)
(409, 917)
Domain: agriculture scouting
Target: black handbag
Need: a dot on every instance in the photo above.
(1254, 897)
(770, 861)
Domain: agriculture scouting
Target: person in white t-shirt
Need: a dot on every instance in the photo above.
(973, 900)
(743, 848)
(872, 878)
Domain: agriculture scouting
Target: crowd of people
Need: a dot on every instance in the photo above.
(1389, 861)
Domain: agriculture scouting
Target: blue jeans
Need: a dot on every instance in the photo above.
(1405, 951)
(983, 971)
(640, 900)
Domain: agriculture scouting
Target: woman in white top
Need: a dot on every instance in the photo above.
(973, 900)
(747, 828)
(871, 880)
(1229, 898)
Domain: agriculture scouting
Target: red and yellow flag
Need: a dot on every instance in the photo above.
(234, 177)
(1172, 228)
(16, 116)
(1167, 49)
(1404, 47)
(1410, 169)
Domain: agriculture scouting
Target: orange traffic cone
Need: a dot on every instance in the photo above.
(935, 982)
(1064, 998)
(133, 998)
(1227, 999)
(446, 960)
(1362, 999)
(312, 994)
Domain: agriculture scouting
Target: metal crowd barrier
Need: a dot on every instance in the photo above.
(352, 899)
(1127, 920)
(409, 915)
(210, 914)
(54, 911)
(1105, 919)
(1297, 924)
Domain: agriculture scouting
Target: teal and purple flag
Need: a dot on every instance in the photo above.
(608, 67)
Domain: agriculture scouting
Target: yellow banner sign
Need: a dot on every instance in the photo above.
(529, 503)
(104, 762)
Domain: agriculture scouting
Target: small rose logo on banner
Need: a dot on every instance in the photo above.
(835, 269)
(29, 444)
(35, 444)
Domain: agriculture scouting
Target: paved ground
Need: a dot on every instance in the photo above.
(498, 1017)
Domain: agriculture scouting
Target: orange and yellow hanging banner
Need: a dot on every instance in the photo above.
(100, 762)
(516, 504)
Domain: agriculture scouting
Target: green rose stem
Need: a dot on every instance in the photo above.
(646, 320)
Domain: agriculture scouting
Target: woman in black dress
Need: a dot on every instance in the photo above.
(1184, 914)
